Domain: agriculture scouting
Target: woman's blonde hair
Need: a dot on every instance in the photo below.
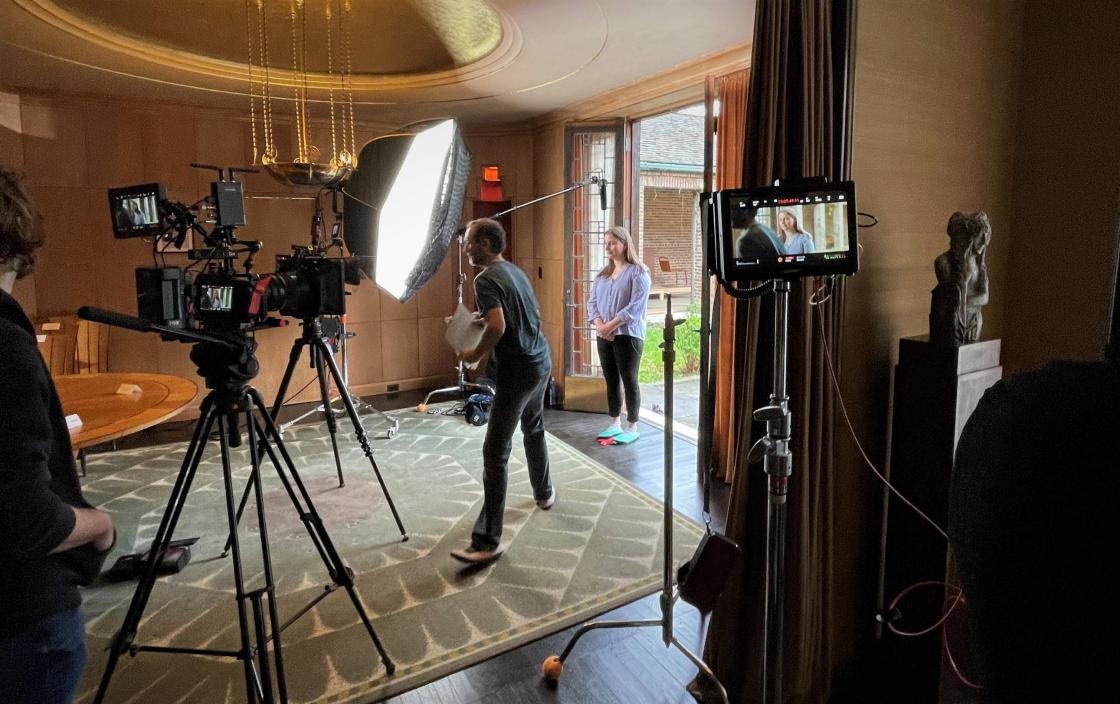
(622, 235)
(796, 223)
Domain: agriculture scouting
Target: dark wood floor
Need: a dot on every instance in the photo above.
(622, 666)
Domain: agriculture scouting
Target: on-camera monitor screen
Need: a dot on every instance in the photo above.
(135, 210)
(215, 298)
(783, 231)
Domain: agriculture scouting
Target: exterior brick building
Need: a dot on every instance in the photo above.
(671, 175)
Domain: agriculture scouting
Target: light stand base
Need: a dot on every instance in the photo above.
(459, 390)
(554, 664)
(391, 431)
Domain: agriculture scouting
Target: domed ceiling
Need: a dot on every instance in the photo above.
(484, 60)
(440, 35)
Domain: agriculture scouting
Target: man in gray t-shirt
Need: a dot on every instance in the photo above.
(511, 316)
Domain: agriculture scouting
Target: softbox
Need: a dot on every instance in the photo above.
(410, 187)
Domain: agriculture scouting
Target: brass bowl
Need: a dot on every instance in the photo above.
(294, 173)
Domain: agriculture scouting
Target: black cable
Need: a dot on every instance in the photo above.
(742, 294)
(874, 220)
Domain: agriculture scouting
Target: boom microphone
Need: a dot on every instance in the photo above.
(602, 194)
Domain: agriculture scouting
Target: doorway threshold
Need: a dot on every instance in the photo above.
(680, 430)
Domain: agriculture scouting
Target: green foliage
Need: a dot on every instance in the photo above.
(687, 347)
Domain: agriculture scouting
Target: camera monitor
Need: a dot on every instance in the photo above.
(135, 210)
(785, 231)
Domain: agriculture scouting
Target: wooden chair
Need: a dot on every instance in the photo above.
(58, 349)
(91, 353)
(76, 347)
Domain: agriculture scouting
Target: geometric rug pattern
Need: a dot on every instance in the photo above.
(598, 548)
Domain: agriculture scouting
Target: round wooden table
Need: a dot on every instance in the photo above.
(107, 415)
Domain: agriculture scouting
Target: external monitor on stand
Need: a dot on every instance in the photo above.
(751, 238)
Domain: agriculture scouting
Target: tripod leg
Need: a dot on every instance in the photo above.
(122, 642)
(293, 360)
(251, 681)
(361, 433)
(328, 413)
(338, 569)
(269, 581)
(241, 508)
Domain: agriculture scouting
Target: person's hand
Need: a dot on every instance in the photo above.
(106, 534)
(470, 355)
(601, 329)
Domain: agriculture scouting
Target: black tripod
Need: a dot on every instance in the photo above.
(228, 365)
(320, 352)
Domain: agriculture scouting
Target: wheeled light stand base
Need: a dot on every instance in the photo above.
(460, 390)
(225, 406)
(554, 665)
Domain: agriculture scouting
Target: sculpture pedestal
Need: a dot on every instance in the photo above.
(936, 388)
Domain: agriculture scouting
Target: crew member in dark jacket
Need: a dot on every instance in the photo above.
(53, 540)
(1032, 523)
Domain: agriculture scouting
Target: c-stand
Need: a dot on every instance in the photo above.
(228, 363)
(461, 387)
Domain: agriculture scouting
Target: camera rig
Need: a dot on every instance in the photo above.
(217, 297)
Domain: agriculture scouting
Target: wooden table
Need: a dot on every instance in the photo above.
(107, 415)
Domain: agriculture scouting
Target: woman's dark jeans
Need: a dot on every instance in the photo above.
(620, 358)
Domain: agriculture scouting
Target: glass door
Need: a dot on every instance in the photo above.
(590, 151)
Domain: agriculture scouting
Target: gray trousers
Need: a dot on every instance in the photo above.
(517, 397)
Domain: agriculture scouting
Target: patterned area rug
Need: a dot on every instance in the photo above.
(599, 547)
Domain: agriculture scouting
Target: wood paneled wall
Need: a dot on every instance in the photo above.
(1067, 185)
(73, 148)
(935, 100)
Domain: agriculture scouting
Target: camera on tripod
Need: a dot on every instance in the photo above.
(306, 283)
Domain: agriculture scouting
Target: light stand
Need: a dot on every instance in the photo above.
(554, 664)
(774, 450)
(394, 423)
(461, 388)
(394, 426)
(343, 336)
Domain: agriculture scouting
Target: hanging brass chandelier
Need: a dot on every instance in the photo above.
(305, 166)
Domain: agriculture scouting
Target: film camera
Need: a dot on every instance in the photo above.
(306, 283)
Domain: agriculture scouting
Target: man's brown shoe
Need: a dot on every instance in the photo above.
(474, 556)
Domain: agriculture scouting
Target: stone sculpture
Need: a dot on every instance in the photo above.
(962, 281)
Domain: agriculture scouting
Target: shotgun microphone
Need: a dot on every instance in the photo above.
(602, 194)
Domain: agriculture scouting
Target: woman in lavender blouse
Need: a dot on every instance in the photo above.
(617, 309)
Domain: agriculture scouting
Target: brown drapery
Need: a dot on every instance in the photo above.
(731, 125)
(799, 125)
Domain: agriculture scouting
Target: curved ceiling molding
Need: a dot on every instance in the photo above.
(462, 41)
(507, 59)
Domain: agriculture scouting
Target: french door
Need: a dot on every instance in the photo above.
(588, 151)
